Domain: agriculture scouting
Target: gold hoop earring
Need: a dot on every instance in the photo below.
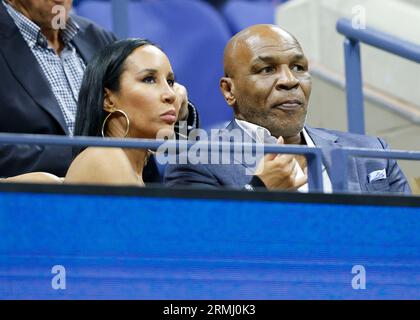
(109, 115)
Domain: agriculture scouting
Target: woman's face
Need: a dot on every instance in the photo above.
(146, 95)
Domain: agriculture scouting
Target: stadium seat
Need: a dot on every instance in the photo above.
(240, 14)
(97, 11)
(192, 33)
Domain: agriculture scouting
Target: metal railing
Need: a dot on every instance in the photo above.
(313, 156)
(353, 69)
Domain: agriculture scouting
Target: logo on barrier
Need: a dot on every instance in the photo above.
(58, 282)
(359, 280)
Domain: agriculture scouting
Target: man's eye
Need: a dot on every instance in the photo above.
(267, 70)
(149, 79)
(171, 82)
(298, 68)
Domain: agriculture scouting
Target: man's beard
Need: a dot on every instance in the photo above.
(277, 127)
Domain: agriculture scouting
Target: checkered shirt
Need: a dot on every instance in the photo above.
(64, 72)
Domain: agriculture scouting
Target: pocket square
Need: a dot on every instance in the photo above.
(377, 175)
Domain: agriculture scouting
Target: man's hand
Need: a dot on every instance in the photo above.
(280, 171)
(182, 100)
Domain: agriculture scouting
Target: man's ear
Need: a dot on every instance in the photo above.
(109, 104)
(226, 86)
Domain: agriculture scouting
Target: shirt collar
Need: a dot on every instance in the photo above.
(263, 135)
(31, 32)
(257, 133)
(71, 30)
(309, 142)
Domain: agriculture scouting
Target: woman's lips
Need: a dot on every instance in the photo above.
(169, 117)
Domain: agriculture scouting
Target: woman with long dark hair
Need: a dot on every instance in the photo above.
(128, 91)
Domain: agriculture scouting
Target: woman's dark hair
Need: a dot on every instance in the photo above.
(104, 71)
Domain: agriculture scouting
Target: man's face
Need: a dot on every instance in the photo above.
(270, 82)
(41, 11)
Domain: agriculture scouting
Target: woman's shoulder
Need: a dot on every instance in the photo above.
(96, 157)
(98, 154)
(34, 177)
(101, 165)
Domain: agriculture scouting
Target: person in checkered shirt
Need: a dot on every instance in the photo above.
(41, 68)
(42, 62)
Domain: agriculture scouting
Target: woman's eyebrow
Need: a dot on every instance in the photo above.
(153, 71)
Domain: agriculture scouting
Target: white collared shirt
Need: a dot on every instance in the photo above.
(261, 135)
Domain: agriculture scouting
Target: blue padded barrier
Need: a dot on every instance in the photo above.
(136, 243)
(152, 243)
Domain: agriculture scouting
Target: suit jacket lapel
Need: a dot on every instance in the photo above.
(323, 139)
(233, 125)
(327, 142)
(86, 49)
(26, 69)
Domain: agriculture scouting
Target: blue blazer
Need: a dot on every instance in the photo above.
(28, 105)
(234, 175)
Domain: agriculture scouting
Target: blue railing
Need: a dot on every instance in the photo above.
(313, 156)
(354, 82)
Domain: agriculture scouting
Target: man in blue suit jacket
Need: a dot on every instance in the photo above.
(28, 101)
(268, 85)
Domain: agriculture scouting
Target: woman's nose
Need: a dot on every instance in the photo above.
(168, 96)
